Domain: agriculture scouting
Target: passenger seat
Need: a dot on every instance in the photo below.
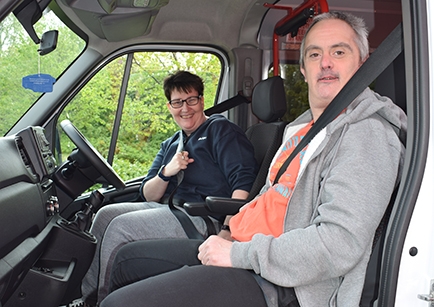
(269, 106)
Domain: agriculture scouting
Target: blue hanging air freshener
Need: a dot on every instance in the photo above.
(39, 83)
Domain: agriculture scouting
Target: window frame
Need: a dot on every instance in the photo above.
(129, 52)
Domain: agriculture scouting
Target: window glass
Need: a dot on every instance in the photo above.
(289, 69)
(145, 120)
(93, 109)
(19, 57)
(295, 90)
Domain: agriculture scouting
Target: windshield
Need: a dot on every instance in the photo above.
(19, 58)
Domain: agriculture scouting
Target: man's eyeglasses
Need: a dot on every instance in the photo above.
(191, 101)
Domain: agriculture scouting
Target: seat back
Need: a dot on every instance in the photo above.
(391, 82)
(269, 105)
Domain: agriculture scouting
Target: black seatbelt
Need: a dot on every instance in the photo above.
(187, 224)
(382, 57)
(227, 104)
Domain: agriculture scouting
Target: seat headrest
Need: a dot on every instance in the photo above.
(269, 99)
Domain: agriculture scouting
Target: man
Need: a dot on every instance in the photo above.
(216, 158)
(306, 240)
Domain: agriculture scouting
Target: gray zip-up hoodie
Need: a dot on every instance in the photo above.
(344, 186)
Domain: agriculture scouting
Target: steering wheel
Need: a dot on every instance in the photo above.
(92, 155)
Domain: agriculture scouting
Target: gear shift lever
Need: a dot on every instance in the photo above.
(83, 218)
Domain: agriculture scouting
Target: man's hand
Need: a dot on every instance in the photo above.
(179, 161)
(215, 251)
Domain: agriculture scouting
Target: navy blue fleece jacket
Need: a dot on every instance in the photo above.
(223, 161)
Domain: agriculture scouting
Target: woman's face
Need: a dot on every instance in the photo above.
(188, 118)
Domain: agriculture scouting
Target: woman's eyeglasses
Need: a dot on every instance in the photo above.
(191, 101)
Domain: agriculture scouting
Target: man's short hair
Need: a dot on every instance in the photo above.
(356, 23)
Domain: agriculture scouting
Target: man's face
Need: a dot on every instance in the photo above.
(331, 58)
(188, 118)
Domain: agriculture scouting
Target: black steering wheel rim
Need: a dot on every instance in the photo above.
(92, 154)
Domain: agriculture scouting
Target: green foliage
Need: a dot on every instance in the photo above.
(19, 58)
(296, 91)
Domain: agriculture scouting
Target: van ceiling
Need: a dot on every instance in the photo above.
(224, 23)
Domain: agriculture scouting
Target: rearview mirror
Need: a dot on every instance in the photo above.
(48, 42)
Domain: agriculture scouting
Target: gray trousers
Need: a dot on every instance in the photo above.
(118, 224)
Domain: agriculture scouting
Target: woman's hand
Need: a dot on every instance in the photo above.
(179, 162)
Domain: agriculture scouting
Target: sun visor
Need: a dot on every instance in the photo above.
(117, 20)
(117, 27)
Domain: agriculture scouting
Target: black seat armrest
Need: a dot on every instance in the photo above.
(197, 208)
(215, 205)
(224, 205)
